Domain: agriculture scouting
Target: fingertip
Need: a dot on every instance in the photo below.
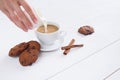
(25, 29)
(30, 28)
(35, 20)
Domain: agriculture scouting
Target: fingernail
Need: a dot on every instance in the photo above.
(30, 26)
(35, 20)
(25, 30)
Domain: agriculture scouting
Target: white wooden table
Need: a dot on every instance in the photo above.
(99, 59)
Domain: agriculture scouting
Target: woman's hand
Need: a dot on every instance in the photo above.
(12, 8)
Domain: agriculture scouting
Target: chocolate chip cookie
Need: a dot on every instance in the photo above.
(18, 49)
(28, 57)
(34, 45)
(86, 30)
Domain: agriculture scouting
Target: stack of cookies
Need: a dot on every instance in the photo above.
(28, 52)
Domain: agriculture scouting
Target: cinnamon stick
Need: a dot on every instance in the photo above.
(70, 44)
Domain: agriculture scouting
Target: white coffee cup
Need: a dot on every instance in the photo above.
(48, 40)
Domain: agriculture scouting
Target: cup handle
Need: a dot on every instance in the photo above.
(61, 36)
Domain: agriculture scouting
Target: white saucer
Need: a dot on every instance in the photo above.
(56, 45)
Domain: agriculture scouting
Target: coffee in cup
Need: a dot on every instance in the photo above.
(50, 28)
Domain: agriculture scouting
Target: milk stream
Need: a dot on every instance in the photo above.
(44, 21)
(45, 24)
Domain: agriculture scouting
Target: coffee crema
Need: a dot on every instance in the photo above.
(50, 29)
